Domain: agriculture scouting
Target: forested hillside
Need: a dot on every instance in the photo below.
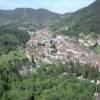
(25, 15)
(83, 21)
(11, 39)
(49, 82)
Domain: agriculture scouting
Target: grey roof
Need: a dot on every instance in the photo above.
(98, 97)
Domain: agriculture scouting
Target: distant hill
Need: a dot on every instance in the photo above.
(25, 15)
(85, 20)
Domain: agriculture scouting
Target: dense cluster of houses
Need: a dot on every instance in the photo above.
(43, 47)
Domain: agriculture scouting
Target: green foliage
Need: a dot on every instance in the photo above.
(71, 69)
(85, 20)
(95, 48)
(11, 39)
(47, 83)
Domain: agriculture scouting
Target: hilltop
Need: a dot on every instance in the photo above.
(25, 16)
